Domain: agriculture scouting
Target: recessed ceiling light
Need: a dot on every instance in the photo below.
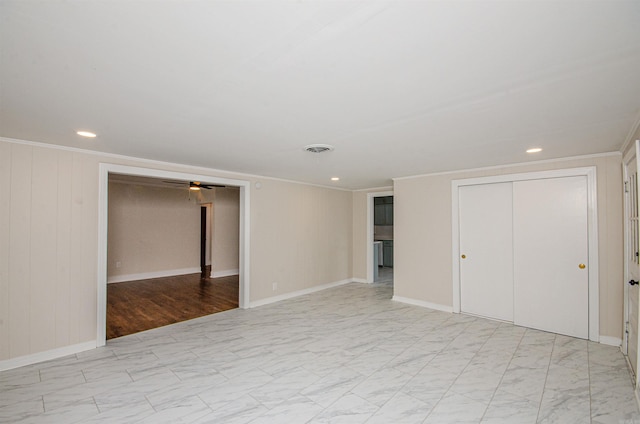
(86, 134)
(335, 178)
(318, 148)
(534, 150)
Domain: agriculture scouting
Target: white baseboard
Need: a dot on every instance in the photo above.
(47, 355)
(611, 341)
(156, 274)
(290, 295)
(437, 307)
(359, 280)
(224, 273)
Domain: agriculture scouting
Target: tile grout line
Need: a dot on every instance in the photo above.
(553, 348)
(456, 379)
(423, 367)
(503, 373)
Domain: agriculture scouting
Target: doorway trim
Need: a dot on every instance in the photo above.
(209, 236)
(592, 230)
(632, 155)
(369, 248)
(103, 201)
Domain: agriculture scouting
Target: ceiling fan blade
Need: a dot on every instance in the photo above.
(207, 186)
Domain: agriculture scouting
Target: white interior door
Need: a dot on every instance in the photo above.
(486, 261)
(550, 240)
(632, 261)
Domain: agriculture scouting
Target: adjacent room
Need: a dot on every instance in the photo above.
(319, 212)
(163, 239)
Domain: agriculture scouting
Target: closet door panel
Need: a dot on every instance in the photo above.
(550, 244)
(486, 263)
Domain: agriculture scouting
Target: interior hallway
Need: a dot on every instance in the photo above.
(347, 354)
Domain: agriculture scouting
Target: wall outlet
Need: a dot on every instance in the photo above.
(118, 264)
(275, 286)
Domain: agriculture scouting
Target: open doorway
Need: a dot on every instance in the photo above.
(380, 237)
(160, 249)
(242, 245)
(205, 240)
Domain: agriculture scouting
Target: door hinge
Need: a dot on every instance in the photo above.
(626, 327)
(626, 186)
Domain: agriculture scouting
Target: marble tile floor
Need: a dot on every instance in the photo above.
(343, 355)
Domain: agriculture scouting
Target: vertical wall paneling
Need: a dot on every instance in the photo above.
(151, 229)
(5, 225)
(76, 240)
(19, 251)
(50, 239)
(63, 248)
(89, 223)
(43, 249)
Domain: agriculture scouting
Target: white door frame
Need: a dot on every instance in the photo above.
(625, 176)
(592, 216)
(209, 236)
(370, 224)
(634, 154)
(103, 193)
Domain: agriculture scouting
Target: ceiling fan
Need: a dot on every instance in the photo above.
(195, 185)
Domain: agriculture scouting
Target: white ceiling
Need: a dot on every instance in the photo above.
(399, 88)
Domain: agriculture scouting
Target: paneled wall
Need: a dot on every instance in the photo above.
(151, 229)
(300, 237)
(47, 234)
(306, 230)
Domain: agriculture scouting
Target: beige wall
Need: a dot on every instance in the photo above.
(300, 236)
(151, 229)
(422, 247)
(48, 239)
(226, 229)
(306, 231)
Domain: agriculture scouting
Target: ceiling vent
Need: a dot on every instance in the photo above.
(318, 148)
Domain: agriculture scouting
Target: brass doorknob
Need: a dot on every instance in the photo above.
(464, 256)
(582, 266)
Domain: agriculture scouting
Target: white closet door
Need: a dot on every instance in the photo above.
(486, 264)
(550, 243)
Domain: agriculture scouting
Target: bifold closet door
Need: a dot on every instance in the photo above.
(550, 245)
(486, 262)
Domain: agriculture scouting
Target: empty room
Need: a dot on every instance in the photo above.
(413, 211)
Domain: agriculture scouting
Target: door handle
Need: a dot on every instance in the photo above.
(633, 282)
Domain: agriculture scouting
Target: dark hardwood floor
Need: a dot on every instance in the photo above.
(135, 306)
